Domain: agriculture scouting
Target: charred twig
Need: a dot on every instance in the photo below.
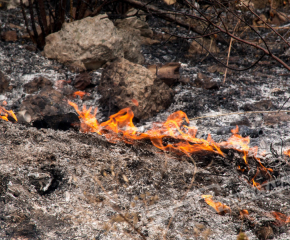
(266, 24)
(274, 151)
(42, 16)
(167, 15)
(283, 104)
(235, 69)
(39, 42)
(41, 19)
(25, 19)
(266, 51)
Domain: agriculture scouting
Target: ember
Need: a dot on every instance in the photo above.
(281, 218)
(218, 206)
(81, 94)
(135, 102)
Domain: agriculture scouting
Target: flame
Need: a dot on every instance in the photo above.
(239, 143)
(173, 135)
(281, 218)
(255, 184)
(81, 94)
(287, 152)
(218, 206)
(120, 127)
(245, 214)
(5, 113)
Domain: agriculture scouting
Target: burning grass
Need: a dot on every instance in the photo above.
(173, 135)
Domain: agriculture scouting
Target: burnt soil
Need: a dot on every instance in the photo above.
(57, 184)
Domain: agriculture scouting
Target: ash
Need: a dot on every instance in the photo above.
(71, 185)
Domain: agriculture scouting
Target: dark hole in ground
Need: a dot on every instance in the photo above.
(46, 181)
(62, 122)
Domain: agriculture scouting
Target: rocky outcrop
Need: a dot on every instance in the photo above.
(125, 84)
(91, 42)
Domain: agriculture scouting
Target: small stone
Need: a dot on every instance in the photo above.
(37, 84)
(274, 118)
(168, 73)
(30, 48)
(46, 103)
(263, 105)
(82, 81)
(265, 233)
(202, 81)
(9, 36)
(184, 80)
(242, 121)
(11, 25)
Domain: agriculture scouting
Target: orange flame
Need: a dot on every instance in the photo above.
(81, 94)
(255, 184)
(120, 126)
(171, 135)
(245, 214)
(239, 143)
(287, 152)
(5, 113)
(281, 218)
(218, 206)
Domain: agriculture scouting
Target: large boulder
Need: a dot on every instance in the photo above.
(91, 42)
(125, 84)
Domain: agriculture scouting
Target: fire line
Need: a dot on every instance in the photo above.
(170, 136)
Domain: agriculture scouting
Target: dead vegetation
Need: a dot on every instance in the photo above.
(221, 28)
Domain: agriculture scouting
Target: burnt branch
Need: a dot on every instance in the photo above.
(214, 24)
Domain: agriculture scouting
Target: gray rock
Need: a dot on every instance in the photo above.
(91, 42)
(124, 82)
